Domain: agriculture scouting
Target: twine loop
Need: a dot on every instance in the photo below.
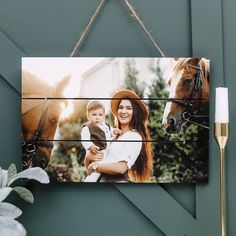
(93, 17)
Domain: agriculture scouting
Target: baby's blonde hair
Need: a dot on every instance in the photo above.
(94, 105)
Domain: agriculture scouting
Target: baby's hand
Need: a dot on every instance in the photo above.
(94, 149)
(117, 131)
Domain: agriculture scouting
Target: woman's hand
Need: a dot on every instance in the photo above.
(90, 158)
(91, 167)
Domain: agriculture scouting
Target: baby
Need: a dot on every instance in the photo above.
(95, 133)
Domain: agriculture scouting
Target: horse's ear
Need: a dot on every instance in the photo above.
(60, 86)
(195, 60)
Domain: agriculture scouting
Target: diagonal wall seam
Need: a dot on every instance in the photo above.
(11, 40)
(161, 215)
(10, 62)
(135, 206)
(10, 85)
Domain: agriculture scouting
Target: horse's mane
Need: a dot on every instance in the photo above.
(32, 85)
(203, 63)
(205, 67)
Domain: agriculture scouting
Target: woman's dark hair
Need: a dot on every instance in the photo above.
(142, 169)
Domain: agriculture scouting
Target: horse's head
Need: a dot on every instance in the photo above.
(189, 92)
(39, 122)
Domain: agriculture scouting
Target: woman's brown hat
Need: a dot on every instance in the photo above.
(128, 94)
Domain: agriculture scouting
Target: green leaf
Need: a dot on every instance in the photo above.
(11, 227)
(25, 194)
(4, 192)
(35, 173)
(9, 210)
(11, 171)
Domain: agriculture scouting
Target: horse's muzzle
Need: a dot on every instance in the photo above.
(171, 121)
(172, 126)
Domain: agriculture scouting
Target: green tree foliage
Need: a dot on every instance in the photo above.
(180, 158)
(131, 80)
(176, 158)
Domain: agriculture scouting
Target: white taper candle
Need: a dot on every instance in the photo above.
(221, 105)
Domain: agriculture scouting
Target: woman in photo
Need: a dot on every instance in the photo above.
(129, 157)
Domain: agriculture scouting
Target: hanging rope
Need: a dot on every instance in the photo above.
(88, 27)
(135, 15)
(93, 17)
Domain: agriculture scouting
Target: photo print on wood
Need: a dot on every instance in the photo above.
(122, 120)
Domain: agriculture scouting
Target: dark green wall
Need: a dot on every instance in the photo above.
(182, 28)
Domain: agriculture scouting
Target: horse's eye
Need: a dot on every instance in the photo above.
(188, 81)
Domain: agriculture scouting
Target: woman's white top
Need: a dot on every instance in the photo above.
(125, 151)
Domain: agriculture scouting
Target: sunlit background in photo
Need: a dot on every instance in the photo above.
(177, 158)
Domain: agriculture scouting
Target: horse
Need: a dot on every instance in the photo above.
(188, 95)
(40, 116)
